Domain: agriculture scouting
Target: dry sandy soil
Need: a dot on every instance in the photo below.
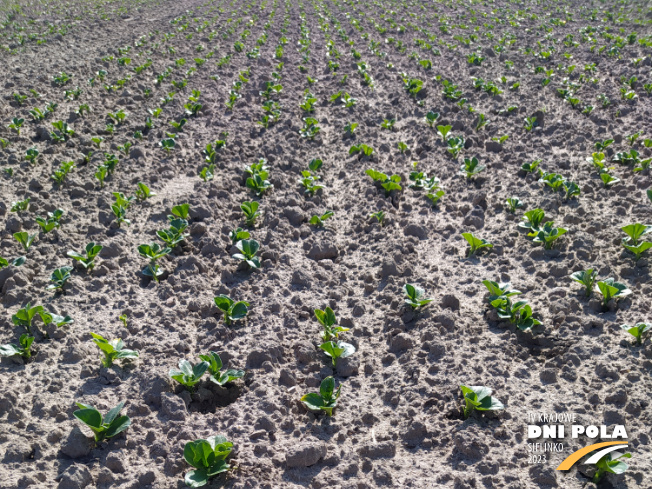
(399, 421)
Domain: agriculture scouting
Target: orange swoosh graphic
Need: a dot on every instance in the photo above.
(575, 456)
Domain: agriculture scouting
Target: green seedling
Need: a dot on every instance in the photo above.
(16, 262)
(250, 211)
(25, 316)
(25, 239)
(530, 123)
(62, 132)
(476, 244)
(179, 211)
(455, 145)
(361, 148)
(611, 463)
(548, 234)
(431, 118)
(16, 124)
(120, 213)
(51, 222)
(20, 205)
(587, 278)
(414, 296)
(113, 350)
(632, 243)
(499, 290)
(258, 183)
(103, 427)
(639, 332)
(318, 221)
(207, 173)
(402, 147)
(55, 319)
(31, 155)
(532, 220)
(610, 289)
(215, 370)
(154, 252)
(315, 164)
(531, 167)
(143, 192)
(175, 234)
(59, 278)
(608, 179)
(553, 180)
(123, 319)
(388, 124)
(380, 217)
(309, 182)
(238, 234)
(479, 398)
(232, 310)
(101, 174)
(514, 203)
(386, 182)
(62, 172)
(572, 190)
(443, 131)
(435, 196)
(337, 349)
(22, 349)
(208, 457)
(168, 144)
(471, 168)
(350, 128)
(248, 249)
(87, 261)
(325, 400)
(188, 374)
(328, 320)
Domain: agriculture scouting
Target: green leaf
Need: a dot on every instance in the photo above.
(239, 310)
(223, 302)
(118, 426)
(327, 387)
(313, 401)
(90, 417)
(196, 478)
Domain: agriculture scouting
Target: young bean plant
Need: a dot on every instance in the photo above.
(103, 427)
(610, 289)
(22, 349)
(414, 296)
(113, 350)
(325, 400)
(88, 260)
(479, 398)
(218, 376)
(476, 244)
(587, 278)
(208, 457)
(232, 310)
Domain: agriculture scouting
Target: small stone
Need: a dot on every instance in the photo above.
(76, 476)
(173, 407)
(420, 232)
(383, 449)
(347, 366)
(77, 445)
(305, 454)
(114, 463)
(400, 342)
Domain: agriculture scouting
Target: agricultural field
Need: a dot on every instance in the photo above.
(324, 243)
